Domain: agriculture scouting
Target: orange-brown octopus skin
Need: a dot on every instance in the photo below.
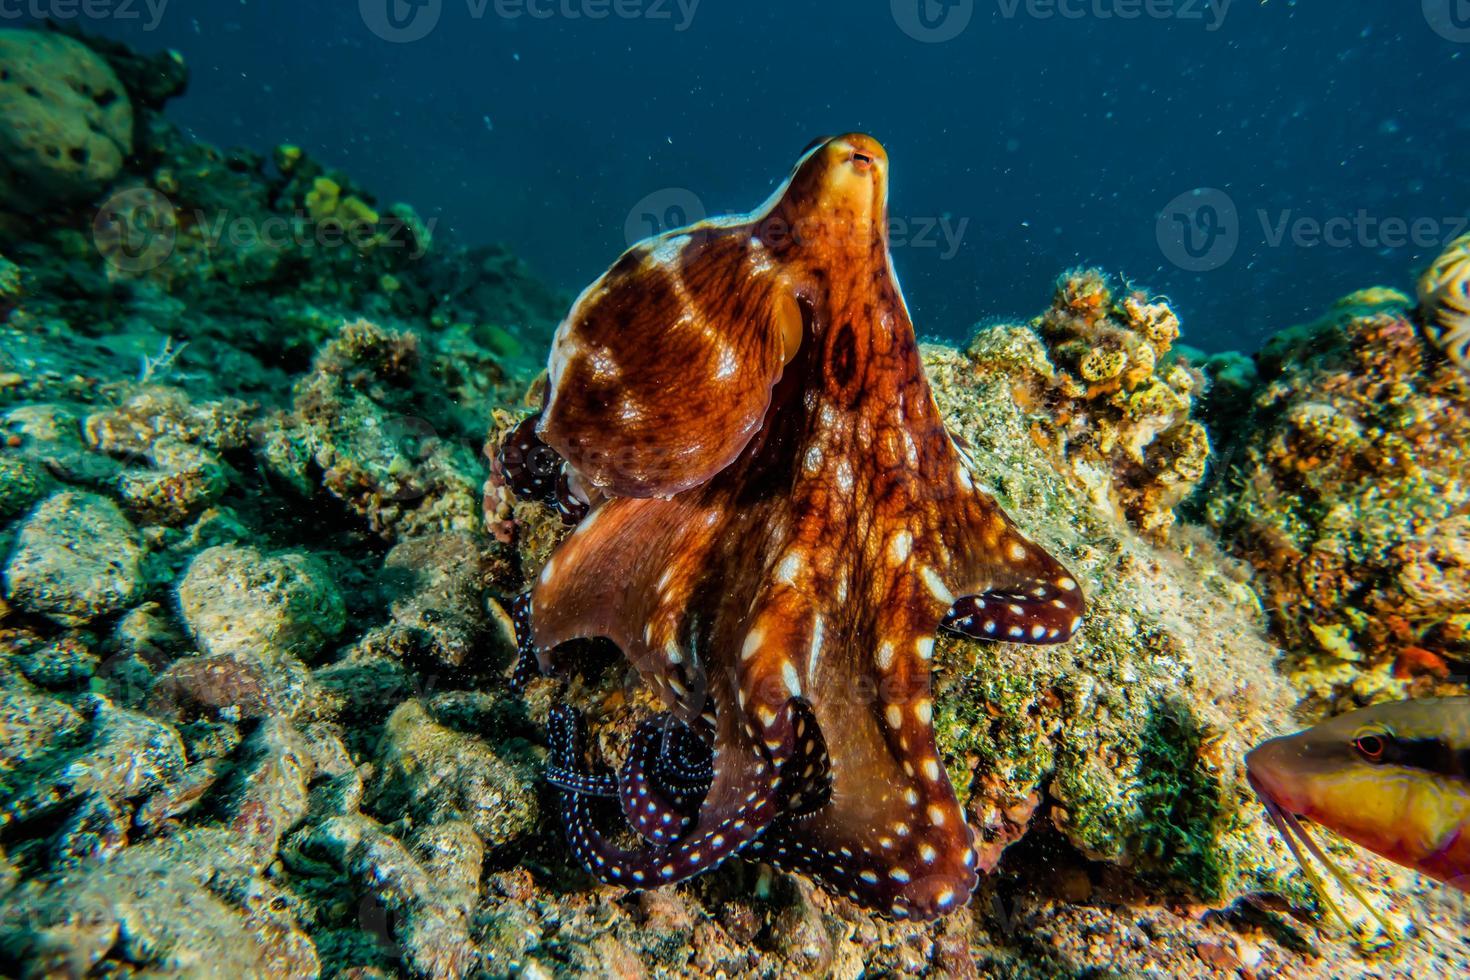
(783, 525)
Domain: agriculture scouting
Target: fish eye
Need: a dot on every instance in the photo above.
(1371, 745)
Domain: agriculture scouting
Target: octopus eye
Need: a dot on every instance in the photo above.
(1371, 746)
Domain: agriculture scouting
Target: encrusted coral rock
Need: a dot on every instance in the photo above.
(435, 773)
(181, 481)
(159, 412)
(1121, 411)
(387, 463)
(1349, 496)
(66, 124)
(76, 558)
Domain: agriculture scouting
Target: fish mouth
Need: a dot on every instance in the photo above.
(1289, 826)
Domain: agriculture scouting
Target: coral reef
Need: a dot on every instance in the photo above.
(1349, 495)
(1120, 409)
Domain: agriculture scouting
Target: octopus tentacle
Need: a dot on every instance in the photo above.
(657, 810)
(742, 802)
(808, 775)
(1045, 614)
(583, 783)
(530, 467)
(684, 762)
(629, 573)
(528, 665)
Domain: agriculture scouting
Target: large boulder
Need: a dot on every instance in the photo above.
(66, 124)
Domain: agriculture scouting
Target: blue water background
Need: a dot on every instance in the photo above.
(1050, 141)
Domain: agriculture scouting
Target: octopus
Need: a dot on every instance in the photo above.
(773, 524)
(1444, 302)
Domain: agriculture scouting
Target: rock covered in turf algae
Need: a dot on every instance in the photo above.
(66, 125)
(183, 904)
(434, 773)
(239, 601)
(436, 586)
(23, 481)
(76, 558)
(1135, 730)
(355, 419)
(175, 443)
(1349, 496)
(256, 618)
(425, 895)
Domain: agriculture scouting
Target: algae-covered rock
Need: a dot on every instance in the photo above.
(421, 898)
(23, 481)
(76, 558)
(237, 600)
(66, 124)
(436, 587)
(1131, 734)
(435, 773)
(178, 906)
(125, 755)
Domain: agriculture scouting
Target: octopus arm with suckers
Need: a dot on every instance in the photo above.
(782, 523)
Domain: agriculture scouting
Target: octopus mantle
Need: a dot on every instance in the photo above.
(779, 524)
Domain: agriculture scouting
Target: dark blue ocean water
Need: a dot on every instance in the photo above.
(1026, 135)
